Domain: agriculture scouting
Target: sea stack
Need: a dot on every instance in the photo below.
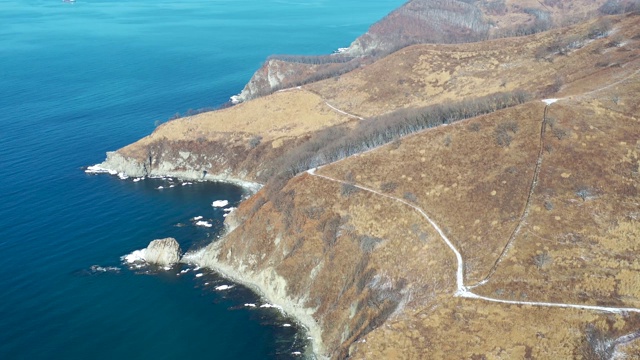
(163, 252)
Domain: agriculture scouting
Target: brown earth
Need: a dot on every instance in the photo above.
(542, 202)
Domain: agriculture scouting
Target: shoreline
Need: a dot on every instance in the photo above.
(117, 165)
(296, 313)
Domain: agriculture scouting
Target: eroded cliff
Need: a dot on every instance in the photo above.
(427, 22)
(506, 235)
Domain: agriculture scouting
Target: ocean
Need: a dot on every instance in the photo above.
(79, 79)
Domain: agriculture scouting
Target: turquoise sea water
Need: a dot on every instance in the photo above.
(77, 80)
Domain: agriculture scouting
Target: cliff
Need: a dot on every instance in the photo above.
(488, 225)
(425, 22)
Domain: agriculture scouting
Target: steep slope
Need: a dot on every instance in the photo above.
(253, 141)
(428, 22)
(345, 249)
(506, 235)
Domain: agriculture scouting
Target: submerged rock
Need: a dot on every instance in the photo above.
(163, 252)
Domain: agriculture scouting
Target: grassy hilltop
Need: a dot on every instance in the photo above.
(454, 214)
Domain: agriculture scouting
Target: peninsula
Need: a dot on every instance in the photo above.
(462, 182)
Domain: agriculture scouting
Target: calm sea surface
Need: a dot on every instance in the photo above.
(77, 80)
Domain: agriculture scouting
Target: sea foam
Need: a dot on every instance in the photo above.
(220, 203)
(204, 223)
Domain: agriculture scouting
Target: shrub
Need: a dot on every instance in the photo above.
(559, 133)
(368, 243)
(475, 127)
(502, 133)
(600, 29)
(348, 189)
(388, 187)
(597, 345)
(612, 7)
(409, 196)
(584, 192)
(255, 141)
(542, 260)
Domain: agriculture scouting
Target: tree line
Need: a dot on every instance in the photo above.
(338, 142)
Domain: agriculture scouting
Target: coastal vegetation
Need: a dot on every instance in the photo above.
(430, 204)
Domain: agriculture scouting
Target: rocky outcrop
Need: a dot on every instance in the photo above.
(163, 252)
(174, 164)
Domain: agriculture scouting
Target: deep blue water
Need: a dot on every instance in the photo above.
(77, 80)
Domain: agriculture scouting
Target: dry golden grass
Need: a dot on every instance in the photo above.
(468, 183)
(346, 283)
(576, 243)
(430, 74)
(286, 114)
(465, 329)
(585, 211)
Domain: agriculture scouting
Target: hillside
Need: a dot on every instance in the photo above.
(457, 215)
(429, 22)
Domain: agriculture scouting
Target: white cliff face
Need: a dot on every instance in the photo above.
(163, 252)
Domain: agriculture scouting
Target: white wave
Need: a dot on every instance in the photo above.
(200, 275)
(137, 179)
(267, 306)
(167, 268)
(286, 325)
(205, 284)
(96, 169)
(172, 186)
(196, 268)
(250, 305)
(296, 353)
(123, 176)
(229, 209)
(225, 215)
(197, 218)
(224, 287)
(185, 271)
(135, 257)
(160, 187)
(187, 183)
(98, 268)
(220, 203)
(204, 223)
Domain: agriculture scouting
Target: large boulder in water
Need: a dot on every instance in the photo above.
(163, 252)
